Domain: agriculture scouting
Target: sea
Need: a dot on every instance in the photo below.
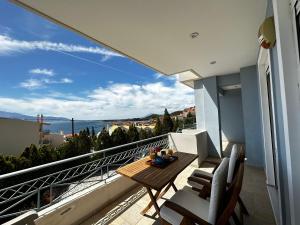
(65, 126)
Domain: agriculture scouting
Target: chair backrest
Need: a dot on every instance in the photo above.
(218, 188)
(234, 156)
(232, 195)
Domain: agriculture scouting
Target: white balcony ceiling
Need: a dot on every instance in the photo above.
(157, 32)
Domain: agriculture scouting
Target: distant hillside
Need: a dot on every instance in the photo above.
(19, 116)
(176, 113)
(148, 117)
(151, 116)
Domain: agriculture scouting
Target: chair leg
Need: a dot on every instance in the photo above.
(243, 207)
(236, 219)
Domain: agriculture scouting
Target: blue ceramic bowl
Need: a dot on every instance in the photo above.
(159, 160)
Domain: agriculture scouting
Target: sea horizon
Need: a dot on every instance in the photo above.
(65, 126)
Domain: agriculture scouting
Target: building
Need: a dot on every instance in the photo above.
(186, 111)
(16, 135)
(246, 90)
(125, 125)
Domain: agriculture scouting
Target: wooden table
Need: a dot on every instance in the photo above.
(156, 178)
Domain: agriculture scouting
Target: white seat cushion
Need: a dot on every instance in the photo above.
(189, 201)
(218, 188)
(195, 184)
(232, 163)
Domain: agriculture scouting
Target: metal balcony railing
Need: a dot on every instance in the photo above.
(41, 186)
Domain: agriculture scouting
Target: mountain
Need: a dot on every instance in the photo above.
(151, 116)
(19, 116)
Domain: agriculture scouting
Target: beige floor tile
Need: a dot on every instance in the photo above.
(254, 195)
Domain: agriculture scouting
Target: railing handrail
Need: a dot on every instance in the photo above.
(15, 173)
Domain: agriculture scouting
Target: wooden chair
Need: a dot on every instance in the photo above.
(201, 180)
(186, 206)
(183, 215)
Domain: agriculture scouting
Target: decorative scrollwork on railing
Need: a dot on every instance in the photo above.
(55, 186)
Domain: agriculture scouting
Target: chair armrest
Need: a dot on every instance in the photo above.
(204, 176)
(200, 181)
(189, 216)
(212, 162)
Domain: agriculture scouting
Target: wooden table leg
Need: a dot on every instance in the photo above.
(166, 189)
(153, 200)
(156, 196)
(174, 187)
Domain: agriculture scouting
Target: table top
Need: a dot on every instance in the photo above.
(153, 177)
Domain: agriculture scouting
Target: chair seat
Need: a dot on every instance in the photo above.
(195, 184)
(189, 201)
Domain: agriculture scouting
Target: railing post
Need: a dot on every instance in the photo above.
(51, 193)
(107, 172)
(38, 204)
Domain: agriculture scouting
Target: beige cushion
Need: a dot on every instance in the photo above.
(232, 162)
(195, 184)
(189, 201)
(218, 189)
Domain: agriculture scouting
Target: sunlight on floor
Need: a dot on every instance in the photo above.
(126, 210)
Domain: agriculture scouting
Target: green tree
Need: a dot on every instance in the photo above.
(176, 124)
(22, 163)
(83, 143)
(133, 133)
(6, 166)
(149, 133)
(143, 134)
(189, 120)
(93, 132)
(158, 127)
(167, 125)
(88, 131)
(104, 140)
(33, 155)
(119, 137)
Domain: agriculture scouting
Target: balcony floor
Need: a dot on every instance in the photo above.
(126, 210)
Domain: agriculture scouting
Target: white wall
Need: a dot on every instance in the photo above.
(83, 205)
(194, 142)
(288, 111)
(207, 113)
(16, 135)
(55, 139)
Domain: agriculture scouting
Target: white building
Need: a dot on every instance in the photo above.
(16, 135)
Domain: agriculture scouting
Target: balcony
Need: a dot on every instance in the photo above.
(126, 210)
(86, 189)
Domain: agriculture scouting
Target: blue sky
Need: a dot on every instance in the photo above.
(48, 69)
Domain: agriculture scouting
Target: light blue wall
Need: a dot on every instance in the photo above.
(252, 116)
(207, 112)
(279, 196)
(232, 124)
(229, 79)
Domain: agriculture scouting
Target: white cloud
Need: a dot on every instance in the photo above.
(66, 81)
(166, 77)
(118, 100)
(46, 72)
(32, 84)
(9, 46)
(158, 75)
